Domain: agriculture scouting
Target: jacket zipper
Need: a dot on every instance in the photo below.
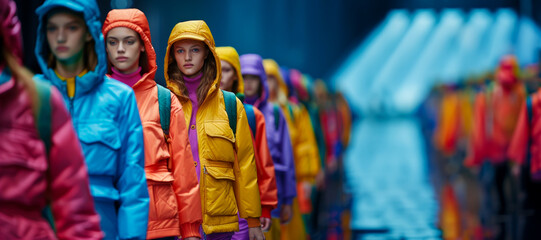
(72, 113)
(71, 106)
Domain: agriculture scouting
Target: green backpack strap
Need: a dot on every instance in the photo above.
(241, 97)
(290, 108)
(251, 118)
(231, 108)
(43, 114)
(276, 116)
(164, 102)
(43, 119)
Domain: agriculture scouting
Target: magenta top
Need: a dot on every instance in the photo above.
(129, 79)
(191, 85)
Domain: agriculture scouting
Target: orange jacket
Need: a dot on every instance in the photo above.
(175, 202)
(265, 166)
(446, 134)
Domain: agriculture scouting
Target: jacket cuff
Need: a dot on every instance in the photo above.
(190, 230)
(266, 211)
(253, 222)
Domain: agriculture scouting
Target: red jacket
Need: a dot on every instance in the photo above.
(518, 150)
(24, 166)
(265, 168)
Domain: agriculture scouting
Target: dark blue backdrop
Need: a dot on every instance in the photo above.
(311, 35)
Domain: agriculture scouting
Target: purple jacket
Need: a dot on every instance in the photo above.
(277, 137)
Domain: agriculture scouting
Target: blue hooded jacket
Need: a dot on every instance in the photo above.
(277, 137)
(107, 122)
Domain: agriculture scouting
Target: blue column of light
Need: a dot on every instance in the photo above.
(469, 42)
(416, 85)
(400, 62)
(355, 75)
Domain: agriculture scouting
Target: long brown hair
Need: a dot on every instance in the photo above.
(90, 57)
(209, 75)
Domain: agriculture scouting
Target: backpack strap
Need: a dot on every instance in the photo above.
(276, 116)
(43, 120)
(43, 113)
(240, 96)
(529, 111)
(290, 108)
(231, 108)
(251, 118)
(164, 105)
(164, 102)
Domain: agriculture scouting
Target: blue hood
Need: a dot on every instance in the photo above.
(290, 89)
(91, 13)
(253, 64)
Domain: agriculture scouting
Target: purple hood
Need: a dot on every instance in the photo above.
(253, 64)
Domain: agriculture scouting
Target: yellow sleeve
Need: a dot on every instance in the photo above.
(307, 147)
(246, 187)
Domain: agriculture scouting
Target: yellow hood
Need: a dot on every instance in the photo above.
(196, 30)
(272, 69)
(230, 55)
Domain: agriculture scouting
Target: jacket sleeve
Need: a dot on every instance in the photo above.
(246, 188)
(185, 185)
(476, 155)
(72, 204)
(518, 148)
(307, 147)
(286, 150)
(130, 179)
(265, 168)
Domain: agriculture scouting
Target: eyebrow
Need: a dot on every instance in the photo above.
(128, 37)
(69, 23)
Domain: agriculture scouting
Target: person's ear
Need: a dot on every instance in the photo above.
(88, 36)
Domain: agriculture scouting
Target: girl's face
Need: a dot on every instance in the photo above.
(190, 56)
(67, 35)
(272, 84)
(251, 85)
(124, 49)
(229, 76)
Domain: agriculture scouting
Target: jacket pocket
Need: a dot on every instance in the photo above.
(100, 143)
(163, 203)
(220, 141)
(219, 195)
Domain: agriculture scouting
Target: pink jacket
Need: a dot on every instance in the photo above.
(24, 167)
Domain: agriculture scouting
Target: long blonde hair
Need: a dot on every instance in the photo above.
(20, 74)
(209, 75)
